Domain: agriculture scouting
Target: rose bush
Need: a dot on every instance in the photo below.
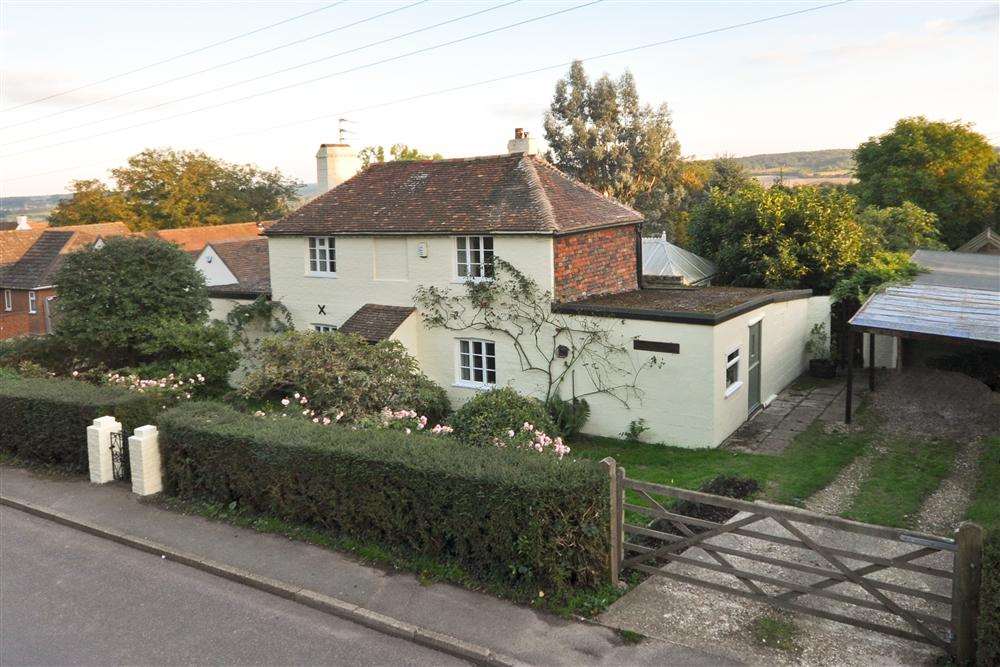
(491, 414)
(342, 373)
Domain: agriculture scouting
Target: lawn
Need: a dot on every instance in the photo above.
(811, 462)
(902, 476)
(985, 507)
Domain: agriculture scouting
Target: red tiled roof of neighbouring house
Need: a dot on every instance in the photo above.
(505, 193)
(14, 243)
(97, 229)
(248, 261)
(375, 322)
(196, 238)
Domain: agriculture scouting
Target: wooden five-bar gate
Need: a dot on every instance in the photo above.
(647, 535)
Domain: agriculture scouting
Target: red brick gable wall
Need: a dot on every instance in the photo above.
(18, 321)
(601, 261)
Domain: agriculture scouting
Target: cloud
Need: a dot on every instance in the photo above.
(933, 34)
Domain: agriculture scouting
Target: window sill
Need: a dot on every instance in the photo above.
(469, 384)
(319, 274)
(733, 388)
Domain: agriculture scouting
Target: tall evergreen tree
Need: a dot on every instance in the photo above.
(603, 135)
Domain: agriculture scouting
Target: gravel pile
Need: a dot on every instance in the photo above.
(936, 404)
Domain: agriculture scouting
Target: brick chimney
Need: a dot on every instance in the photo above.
(522, 143)
(335, 163)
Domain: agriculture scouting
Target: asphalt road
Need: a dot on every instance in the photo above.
(70, 598)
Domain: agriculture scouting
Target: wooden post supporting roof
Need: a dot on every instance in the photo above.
(850, 376)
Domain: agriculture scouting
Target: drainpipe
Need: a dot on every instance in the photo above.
(638, 254)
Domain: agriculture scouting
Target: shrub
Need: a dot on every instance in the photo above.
(569, 416)
(50, 352)
(508, 517)
(46, 420)
(342, 373)
(988, 649)
(491, 414)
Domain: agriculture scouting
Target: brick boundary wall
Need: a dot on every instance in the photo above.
(601, 261)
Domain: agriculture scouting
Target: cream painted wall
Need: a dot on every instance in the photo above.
(213, 268)
(681, 401)
(784, 330)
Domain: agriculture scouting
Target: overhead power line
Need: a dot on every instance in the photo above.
(258, 77)
(484, 82)
(195, 73)
(271, 91)
(178, 56)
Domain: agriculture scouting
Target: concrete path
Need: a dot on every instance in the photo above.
(525, 634)
(774, 427)
(731, 624)
(71, 598)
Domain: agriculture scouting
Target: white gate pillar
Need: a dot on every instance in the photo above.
(99, 449)
(144, 461)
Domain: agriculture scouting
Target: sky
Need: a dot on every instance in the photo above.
(827, 78)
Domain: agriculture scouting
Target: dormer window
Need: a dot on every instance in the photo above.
(475, 257)
(322, 256)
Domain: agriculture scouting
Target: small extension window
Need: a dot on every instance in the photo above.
(733, 369)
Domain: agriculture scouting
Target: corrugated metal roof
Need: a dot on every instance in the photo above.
(958, 269)
(662, 258)
(934, 310)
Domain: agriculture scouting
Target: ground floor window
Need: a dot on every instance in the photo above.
(477, 361)
(732, 371)
(32, 303)
(324, 328)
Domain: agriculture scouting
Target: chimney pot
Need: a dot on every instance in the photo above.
(22, 222)
(522, 143)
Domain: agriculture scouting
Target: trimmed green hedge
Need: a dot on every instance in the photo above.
(45, 420)
(513, 518)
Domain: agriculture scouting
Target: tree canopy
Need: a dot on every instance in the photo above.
(377, 154)
(140, 304)
(601, 134)
(942, 167)
(164, 188)
(779, 236)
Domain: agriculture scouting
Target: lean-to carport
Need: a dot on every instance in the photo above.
(954, 315)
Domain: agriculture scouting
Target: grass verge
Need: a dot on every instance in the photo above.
(904, 473)
(582, 603)
(985, 507)
(811, 462)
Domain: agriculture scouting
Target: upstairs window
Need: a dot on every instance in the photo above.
(8, 301)
(32, 303)
(475, 257)
(322, 255)
(477, 362)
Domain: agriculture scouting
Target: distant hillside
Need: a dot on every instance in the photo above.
(36, 208)
(829, 162)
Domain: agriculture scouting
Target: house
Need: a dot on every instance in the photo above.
(194, 239)
(236, 273)
(27, 274)
(353, 258)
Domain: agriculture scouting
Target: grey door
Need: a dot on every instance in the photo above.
(753, 369)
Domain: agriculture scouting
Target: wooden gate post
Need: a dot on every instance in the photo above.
(965, 591)
(617, 507)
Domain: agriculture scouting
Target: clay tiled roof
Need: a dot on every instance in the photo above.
(196, 238)
(505, 193)
(38, 265)
(375, 322)
(14, 243)
(102, 229)
(248, 261)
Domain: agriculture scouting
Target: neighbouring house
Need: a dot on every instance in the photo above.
(954, 305)
(666, 263)
(194, 239)
(28, 279)
(236, 273)
(353, 258)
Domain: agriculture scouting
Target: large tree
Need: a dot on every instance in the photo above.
(377, 154)
(942, 167)
(779, 236)
(140, 304)
(600, 133)
(163, 188)
(90, 202)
